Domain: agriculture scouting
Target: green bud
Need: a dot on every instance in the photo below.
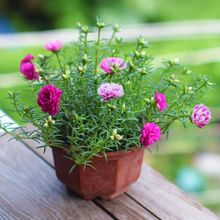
(114, 51)
(79, 25)
(131, 64)
(210, 83)
(147, 100)
(116, 136)
(128, 83)
(100, 24)
(41, 56)
(123, 107)
(85, 57)
(26, 109)
(136, 53)
(65, 76)
(80, 68)
(142, 54)
(85, 29)
(142, 42)
(118, 40)
(111, 107)
(40, 71)
(112, 137)
(46, 125)
(152, 101)
(116, 28)
(10, 93)
(173, 78)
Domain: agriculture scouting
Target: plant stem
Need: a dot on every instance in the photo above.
(97, 51)
(112, 37)
(58, 59)
(85, 43)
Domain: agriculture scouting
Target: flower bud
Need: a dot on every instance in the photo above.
(40, 71)
(148, 101)
(85, 29)
(78, 24)
(188, 90)
(64, 77)
(100, 24)
(136, 53)
(46, 125)
(123, 107)
(116, 28)
(118, 40)
(152, 101)
(111, 107)
(142, 42)
(10, 93)
(41, 56)
(116, 136)
(85, 58)
(131, 64)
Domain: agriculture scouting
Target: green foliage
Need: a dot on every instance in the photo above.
(86, 126)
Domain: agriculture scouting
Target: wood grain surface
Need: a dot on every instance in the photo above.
(29, 189)
(151, 197)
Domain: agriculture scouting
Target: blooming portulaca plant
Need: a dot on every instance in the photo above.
(94, 97)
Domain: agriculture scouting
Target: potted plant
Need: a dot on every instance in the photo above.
(99, 105)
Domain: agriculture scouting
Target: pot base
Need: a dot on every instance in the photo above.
(103, 197)
(109, 179)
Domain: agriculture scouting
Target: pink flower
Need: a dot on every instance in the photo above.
(27, 68)
(49, 99)
(53, 46)
(160, 100)
(109, 64)
(201, 115)
(150, 134)
(110, 91)
(27, 59)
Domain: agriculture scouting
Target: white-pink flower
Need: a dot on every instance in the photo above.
(201, 115)
(110, 91)
(53, 45)
(108, 65)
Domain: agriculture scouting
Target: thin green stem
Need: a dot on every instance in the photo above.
(85, 43)
(97, 51)
(112, 37)
(59, 62)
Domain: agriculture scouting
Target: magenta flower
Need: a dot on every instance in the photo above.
(49, 99)
(27, 59)
(109, 64)
(110, 91)
(27, 68)
(201, 115)
(150, 134)
(53, 46)
(160, 100)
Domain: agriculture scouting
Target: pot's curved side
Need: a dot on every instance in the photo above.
(111, 177)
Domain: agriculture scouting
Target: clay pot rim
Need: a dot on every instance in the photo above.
(114, 155)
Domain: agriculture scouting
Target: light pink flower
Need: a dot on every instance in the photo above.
(160, 100)
(150, 134)
(201, 115)
(53, 45)
(49, 99)
(27, 68)
(109, 64)
(110, 91)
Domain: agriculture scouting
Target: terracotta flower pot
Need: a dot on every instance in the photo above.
(111, 177)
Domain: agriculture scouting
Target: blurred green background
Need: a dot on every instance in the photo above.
(187, 157)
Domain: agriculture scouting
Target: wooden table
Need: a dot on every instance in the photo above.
(29, 189)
